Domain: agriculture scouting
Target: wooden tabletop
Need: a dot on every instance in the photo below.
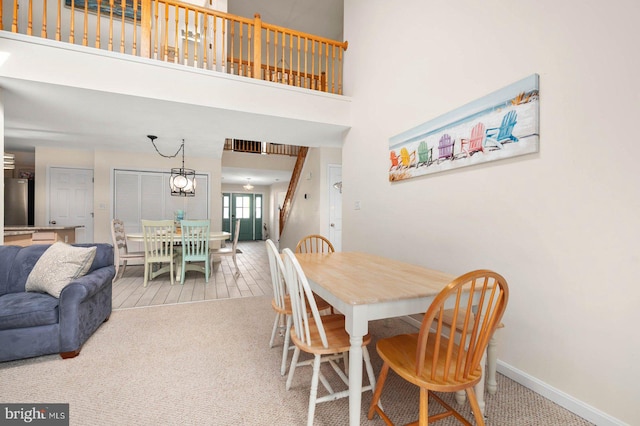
(362, 278)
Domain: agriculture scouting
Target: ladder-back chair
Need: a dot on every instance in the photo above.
(195, 247)
(158, 248)
(121, 252)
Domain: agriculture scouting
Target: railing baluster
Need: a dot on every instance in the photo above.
(214, 42)
(71, 24)
(14, 23)
(233, 38)
(97, 26)
(291, 76)
(175, 40)
(165, 48)
(134, 48)
(122, 6)
(185, 38)
(43, 31)
(85, 41)
(155, 29)
(58, 21)
(205, 45)
(240, 65)
(110, 46)
(195, 42)
(30, 18)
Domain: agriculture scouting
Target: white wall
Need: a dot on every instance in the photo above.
(310, 215)
(560, 225)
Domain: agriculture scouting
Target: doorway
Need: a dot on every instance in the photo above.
(248, 208)
(71, 200)
(335, 206)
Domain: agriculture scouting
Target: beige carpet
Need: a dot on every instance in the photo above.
(208, 363)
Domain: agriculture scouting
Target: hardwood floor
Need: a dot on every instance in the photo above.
(254, 280)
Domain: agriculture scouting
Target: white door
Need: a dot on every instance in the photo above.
(71, 200)
(335, 206)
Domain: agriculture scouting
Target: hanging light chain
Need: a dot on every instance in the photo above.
(181, 148)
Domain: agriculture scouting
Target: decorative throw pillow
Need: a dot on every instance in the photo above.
(58, 266)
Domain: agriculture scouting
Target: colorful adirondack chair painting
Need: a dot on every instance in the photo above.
(496, 136)
(445, 147)
(424, 154)
(500, 125)
(475, 143)
(407, 159)
(394, 160)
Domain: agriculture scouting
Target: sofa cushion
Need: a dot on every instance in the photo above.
(22, 310)
(58, 266)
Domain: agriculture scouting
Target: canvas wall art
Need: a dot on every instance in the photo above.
(500, 125)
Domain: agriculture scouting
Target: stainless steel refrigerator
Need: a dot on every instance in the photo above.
(18, 202)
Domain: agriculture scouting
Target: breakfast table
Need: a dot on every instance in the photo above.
(365, 287)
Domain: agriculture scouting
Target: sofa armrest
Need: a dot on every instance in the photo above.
(83, 306)
(86, 286)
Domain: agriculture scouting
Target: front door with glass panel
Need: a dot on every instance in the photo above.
(247, 208)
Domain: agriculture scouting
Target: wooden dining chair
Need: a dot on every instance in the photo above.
(491, 358)
(158, 248)
(324, 337)
(229, 251)
(281, 303)
(314, 243)
(442, 360)
(121, 252)
(195, 247)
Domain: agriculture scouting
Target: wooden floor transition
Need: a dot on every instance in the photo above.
(254, 280)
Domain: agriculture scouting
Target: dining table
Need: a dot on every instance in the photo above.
(366, 287)
(177, 237)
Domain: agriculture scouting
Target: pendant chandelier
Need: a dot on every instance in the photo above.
(248, 186)
(182, 181)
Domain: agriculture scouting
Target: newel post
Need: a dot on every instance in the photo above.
(257, 46)
(145, 26)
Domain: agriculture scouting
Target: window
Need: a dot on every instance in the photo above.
(225, 207)
(258, 207)
(243, 207)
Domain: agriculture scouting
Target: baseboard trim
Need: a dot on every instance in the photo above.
(563, 399)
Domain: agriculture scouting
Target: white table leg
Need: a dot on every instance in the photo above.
(479, 388)
(357, 326)
(492, 384)
(355, 379)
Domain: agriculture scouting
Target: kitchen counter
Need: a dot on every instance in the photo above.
(21, 235)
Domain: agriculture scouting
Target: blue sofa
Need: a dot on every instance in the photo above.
(34, 324)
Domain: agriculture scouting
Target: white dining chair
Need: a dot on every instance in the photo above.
(229, 251)
(121, 252)
(158, 248)
(324, 337)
